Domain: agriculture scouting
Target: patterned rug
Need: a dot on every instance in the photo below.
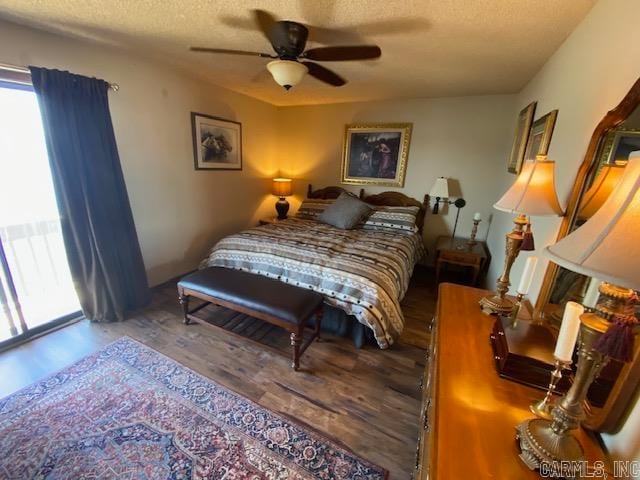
(130, 412)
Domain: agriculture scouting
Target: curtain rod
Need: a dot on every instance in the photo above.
(18, 69)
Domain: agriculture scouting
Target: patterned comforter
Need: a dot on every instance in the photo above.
(363, 272)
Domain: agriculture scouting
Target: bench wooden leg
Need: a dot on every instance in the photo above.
(296, 340)
(184, 301)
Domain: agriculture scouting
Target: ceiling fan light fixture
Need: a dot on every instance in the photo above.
(287, 73)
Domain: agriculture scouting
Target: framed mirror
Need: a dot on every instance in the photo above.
(615, 137)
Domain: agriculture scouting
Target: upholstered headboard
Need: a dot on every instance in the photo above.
(390, 199)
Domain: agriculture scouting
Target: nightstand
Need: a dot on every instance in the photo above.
(456, 251)
(268, 220)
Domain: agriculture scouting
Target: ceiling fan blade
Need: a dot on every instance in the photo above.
(324, 74)
(339, 54)
(231, 52)
(265, 21)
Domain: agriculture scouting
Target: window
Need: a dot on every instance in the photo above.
(35, 284)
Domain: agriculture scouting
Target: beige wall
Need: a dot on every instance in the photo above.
(461, 138)
(588, 75)
(178, 212)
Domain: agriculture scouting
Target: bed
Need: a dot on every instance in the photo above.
(364, 272)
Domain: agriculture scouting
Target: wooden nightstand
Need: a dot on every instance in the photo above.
(268, 220)
(457, 252)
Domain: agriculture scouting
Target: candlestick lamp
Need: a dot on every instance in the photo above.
(523, 288)
(606, 247)
(282, 189)
(563, 355)
(474, 230)
(532, 194)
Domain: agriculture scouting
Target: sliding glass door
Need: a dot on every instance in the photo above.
(36, 288)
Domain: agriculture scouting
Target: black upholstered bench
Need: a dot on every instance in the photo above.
(270, 300)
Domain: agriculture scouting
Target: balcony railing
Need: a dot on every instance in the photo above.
(35, 285)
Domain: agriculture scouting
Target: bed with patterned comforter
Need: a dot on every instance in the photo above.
(364, 272)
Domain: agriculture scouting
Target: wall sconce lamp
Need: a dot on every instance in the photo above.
(440, 191)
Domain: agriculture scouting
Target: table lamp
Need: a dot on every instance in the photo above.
(282, 188)
(604, 183)
(532, 194)
(606, 247)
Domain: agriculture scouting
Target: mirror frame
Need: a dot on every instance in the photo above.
(608, 418)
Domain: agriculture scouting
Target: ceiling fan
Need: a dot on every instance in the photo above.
(289, 40)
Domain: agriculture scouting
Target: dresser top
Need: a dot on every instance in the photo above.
(475, 411)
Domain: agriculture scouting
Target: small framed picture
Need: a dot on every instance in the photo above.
(376, 154)
(618, 145)
(540, 136)
(217, 143)
(525, 119)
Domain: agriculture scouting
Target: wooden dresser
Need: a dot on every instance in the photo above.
(469, 413)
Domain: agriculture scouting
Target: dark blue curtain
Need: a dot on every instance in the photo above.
(97, 223)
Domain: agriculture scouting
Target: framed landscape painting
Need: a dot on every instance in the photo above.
(217, 143)
(525, 119)
(540, 136)
(376, 154)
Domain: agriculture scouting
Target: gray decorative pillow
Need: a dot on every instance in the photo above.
(346, 212)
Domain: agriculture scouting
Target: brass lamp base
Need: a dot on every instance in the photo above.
(540, 445)
(549, 443)
(496, 305)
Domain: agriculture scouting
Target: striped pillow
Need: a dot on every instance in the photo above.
(397, 218)
(311, 208)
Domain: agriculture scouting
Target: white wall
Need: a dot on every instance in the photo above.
(178, 212)
(463, 138)
(588, 75)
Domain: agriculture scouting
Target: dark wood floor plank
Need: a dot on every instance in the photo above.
(366, 399)
(262, 331)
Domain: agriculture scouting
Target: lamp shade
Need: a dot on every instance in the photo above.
(607, 245)
(281, 187)
(287, 73)
(534, 191)
(440, 188)
(602, 186)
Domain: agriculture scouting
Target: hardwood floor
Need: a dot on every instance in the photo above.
(366, 399)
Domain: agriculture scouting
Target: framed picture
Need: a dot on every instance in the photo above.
(525, 119)
(540, 136)
(618, 144)
(217, 143)
(376, 154)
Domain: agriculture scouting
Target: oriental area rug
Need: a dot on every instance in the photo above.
(128, 411)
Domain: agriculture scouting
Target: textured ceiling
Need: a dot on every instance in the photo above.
(430, 48)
